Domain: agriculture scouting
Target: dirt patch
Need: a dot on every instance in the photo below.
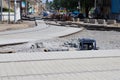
(23, 25)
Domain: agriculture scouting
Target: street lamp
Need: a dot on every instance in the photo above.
(79, 6)
(95, 3)
(26, 7)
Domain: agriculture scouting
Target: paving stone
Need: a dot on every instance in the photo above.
(85, 65)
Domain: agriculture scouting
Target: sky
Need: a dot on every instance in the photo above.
(45, 0)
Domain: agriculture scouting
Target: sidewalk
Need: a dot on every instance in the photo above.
(84, 65)
(65, 55)
(23, 25)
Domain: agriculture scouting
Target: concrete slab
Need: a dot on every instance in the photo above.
(42, 31)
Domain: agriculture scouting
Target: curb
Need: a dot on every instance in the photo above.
(82, 28)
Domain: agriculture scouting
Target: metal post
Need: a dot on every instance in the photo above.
(21, 9)
(95, 3)
(79, 6)
(1, 10)
(47, 6)
(26, 7)
(15, 11)
(9, 11)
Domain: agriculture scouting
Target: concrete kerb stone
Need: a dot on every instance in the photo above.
(99, 24)
(73, 32)
(86, 20)
(101, 21)
(109, 22)
(69, 22)
(62, 23)
(93, 21)
(75, 19)
(90, 22)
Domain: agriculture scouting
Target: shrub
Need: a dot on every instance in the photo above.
(6, 10)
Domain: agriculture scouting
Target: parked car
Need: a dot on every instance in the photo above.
(47, 14)
(77, 14)
(81, 16)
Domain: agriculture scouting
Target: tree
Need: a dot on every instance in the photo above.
(72, 5)
(69, 5)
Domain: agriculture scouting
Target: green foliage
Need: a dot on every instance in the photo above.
(7, 10)
(68, 4)
(72, 4)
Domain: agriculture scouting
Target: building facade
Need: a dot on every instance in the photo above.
(15, 9)
(32, 7)
(10, 10)
(115, 9)
(111, 8)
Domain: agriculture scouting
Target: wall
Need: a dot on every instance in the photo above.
(5, 15)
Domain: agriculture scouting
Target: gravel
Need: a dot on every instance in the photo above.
(105, 39)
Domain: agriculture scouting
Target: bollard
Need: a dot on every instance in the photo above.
(101, 21)
(111, 22)
(93, 21)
